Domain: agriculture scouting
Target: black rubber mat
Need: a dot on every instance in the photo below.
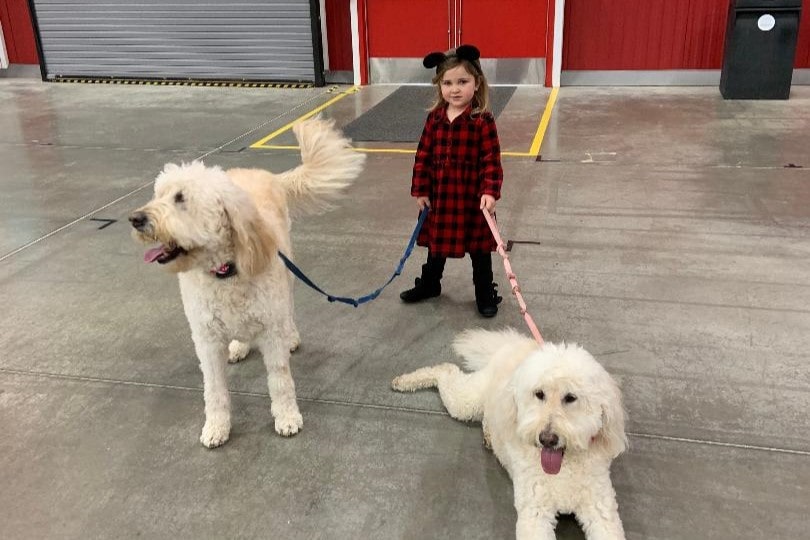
(401, 116)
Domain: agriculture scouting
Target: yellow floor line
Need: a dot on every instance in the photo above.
(537, 142)
(382, 150)
(313, 112)
(534, 150)
(367, 150)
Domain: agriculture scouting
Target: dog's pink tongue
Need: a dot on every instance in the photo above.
(152, 254)
(551, 460)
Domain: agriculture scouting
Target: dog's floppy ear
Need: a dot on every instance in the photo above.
(612, 438)
(254, 244)
(503, 416)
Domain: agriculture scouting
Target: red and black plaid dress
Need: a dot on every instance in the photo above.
(456, 163)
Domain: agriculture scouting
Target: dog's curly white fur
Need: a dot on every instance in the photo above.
(207, 217)
(552, 415)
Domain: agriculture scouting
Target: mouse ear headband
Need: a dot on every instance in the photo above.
(469, 53)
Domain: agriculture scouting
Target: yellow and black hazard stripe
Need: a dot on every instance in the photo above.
(200, 83)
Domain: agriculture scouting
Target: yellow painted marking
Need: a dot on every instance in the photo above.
(537, 142)
(367, 150)
(533, 151)
(381, 150)
(234, 84)
(313, 112)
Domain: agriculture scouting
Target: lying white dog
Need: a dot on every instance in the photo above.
(552, 415)
(221, 232)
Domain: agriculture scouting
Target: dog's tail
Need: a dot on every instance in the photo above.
(329, 165)
(477, 347)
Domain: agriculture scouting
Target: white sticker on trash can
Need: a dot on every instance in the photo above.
(766, 23)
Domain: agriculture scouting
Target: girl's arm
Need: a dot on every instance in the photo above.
(423, 164)
(491, 171)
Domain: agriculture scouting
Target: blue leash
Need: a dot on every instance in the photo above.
(369, 297)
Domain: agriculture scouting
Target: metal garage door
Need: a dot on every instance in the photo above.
(197, 39)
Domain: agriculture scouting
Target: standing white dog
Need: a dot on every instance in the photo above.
(221, 232)
(552, 415)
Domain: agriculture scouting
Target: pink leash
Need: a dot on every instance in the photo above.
(512, 278)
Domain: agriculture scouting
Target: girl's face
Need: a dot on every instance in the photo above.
(458, 87)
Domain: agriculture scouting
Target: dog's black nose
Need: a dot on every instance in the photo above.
(138, 220)
(549, 439)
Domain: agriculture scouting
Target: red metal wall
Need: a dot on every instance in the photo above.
(647, 35)
(644, 35)
(394, 32)
(803, 48)
(501, 29)
(339, 33)
(505, 28)
(18, 32)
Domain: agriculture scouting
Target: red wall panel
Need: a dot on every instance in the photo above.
(501, 29)
(506, 28)
(18, 32)
(339, 33)
(398, 29)
(644, 35)
(803, 48)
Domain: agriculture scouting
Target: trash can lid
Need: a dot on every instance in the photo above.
(765, 5)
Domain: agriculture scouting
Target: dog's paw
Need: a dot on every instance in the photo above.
(400, 384)
(426, 377)
(295, 342)
(289, 424)
(215, 434)
(237, 351)
(404, 383)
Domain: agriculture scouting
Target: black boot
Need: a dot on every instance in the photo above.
(487, 299)
(486, 292)
(429, 285)
(421, 291)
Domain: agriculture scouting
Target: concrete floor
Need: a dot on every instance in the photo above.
(665, 229)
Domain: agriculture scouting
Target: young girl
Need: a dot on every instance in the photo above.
(457, 173)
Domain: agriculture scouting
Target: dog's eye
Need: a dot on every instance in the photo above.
(569, 398)
(178, 197)
(540, 395)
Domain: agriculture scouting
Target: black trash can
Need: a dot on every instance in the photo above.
(760, 49)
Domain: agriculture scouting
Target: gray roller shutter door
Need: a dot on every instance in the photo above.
(208, 39)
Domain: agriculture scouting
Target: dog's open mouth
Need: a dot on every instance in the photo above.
(163, 254)
(551, 459)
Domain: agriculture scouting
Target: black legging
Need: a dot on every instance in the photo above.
(433, 268)
(482, 269)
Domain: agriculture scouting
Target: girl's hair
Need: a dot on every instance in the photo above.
(480, 100)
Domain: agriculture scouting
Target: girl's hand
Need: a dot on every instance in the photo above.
(422, 203)
(488, 202)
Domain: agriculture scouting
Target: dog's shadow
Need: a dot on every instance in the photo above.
(568, 527)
